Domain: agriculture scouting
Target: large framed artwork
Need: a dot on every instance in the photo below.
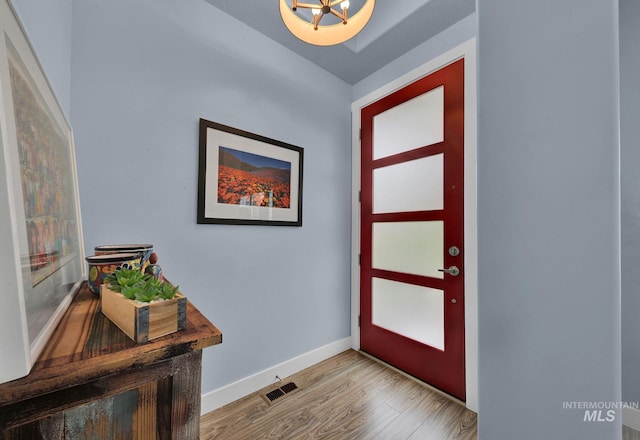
(248, 179)
(41, 257)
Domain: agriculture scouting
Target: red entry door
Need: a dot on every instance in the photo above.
(412, 224)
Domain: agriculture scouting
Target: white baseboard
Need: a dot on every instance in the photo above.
(631, 418)
(250, 384)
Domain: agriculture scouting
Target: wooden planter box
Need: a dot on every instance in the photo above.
(144, 321)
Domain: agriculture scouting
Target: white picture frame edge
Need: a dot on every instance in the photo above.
(18, 353)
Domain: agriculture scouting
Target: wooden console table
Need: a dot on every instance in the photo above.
(93, 382)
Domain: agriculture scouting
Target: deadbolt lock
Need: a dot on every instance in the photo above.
(454, 251)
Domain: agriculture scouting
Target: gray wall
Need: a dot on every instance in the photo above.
(630, 184)
(143, 74)
(48, 24)
(548, 217)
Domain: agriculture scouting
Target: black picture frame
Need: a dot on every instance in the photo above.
(247, 179)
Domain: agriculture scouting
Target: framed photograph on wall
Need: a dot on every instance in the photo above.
(247, 179)
(41, 257)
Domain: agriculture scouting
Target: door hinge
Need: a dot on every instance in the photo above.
(359, 321)
(359, 259)
(360, 136)
(359, 196)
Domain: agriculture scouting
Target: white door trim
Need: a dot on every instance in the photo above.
(466, 50)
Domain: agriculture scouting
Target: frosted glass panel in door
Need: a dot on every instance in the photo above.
(409, 247)
(416, 123)
(412, 311)
(416, 185)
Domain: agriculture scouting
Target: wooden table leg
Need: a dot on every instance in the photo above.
(185, 415)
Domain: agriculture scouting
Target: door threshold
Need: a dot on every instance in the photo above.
(415, 379)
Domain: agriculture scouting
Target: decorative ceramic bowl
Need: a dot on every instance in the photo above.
(102, 265)
(145, 251)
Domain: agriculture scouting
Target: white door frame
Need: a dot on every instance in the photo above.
(468, 51)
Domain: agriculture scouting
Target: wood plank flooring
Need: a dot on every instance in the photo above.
(346, 397)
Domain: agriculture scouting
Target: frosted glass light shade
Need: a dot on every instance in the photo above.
(326, 35)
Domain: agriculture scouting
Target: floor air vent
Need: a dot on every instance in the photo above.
(288, 387)
(275, 394)
(285, 389)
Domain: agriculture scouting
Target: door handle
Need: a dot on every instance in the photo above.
(453, 271)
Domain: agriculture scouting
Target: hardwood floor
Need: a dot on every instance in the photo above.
(346, 397)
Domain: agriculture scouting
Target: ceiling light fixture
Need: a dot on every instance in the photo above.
(325, 35)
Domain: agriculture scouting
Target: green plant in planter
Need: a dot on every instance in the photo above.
(133, 284)
(124, 277)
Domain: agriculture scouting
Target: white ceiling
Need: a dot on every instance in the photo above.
(396, 27)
